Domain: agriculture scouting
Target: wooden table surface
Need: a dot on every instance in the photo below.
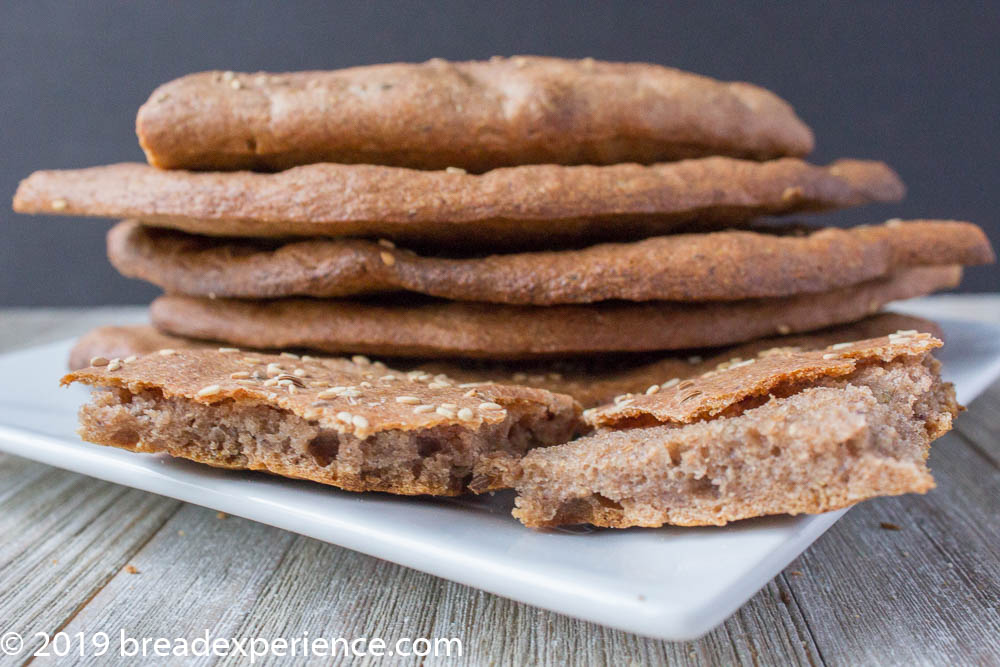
(928, 593)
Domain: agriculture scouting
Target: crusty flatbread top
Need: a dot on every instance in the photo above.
(711, 394)
(724, 266)
(450, 329)
(348, 395)
(537, 204)
(477, 115)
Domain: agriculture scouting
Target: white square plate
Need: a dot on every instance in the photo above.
(670, 583)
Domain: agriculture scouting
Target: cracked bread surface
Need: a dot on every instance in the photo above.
(590, 380)
(822, 444)
(337, 422)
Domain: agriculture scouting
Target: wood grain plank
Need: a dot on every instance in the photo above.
(198, 572)
(927, 593)
(64, 537)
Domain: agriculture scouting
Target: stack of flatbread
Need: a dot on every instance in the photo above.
(577, 227)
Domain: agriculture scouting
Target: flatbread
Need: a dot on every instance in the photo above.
(591, 381)
(727, 266)
(354, 424)
(471, 330)
(515, 206)
(476, 115)
(785, 434)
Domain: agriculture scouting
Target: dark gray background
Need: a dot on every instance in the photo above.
(912, 83)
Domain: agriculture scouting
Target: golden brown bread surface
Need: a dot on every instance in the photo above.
(515, 206)
(472, 330)
(728, 265)
(590, 380)
(801, 433)
(354, 424)
(715, 392)
(476, 115)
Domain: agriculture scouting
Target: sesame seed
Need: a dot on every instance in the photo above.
(361, 360)
(409, 400)
(344, 417)
(98, 361)
(455, 170)
(438, 385)
(840, 346)
(742, 363)
(895, 222)
(351, 393)
(465, 414)
(167, 352)
(652, 389)
(449, 406)
(420, 409)
(490, 405)
(830, 355)
(670, 383)
(387, 258)
(306, 357)
(465, 385)
(229, 350)
(273, 369)
(907, 332)
(240, 375)
(130, 359)
(792, 193)
(299, 372)
(114, 364)
(328, 393)
(359, 422)
(367, 384)
(210, 390)
(627, 401)
(444, 412)
(235, 84)
(59, 204)
(228, 75)
(251, 360)
(271, 382)
(784, 329)
(289, 355)
(386, 243)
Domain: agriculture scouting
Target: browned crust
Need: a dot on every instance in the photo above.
(712, 393)
(470, 330)
(790, 432)
(727, 266)
(476, 115)
(320, 392)
(590, 381)
(512, 206)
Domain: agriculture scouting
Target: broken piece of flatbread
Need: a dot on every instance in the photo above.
(354, 424)
(783, 434)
